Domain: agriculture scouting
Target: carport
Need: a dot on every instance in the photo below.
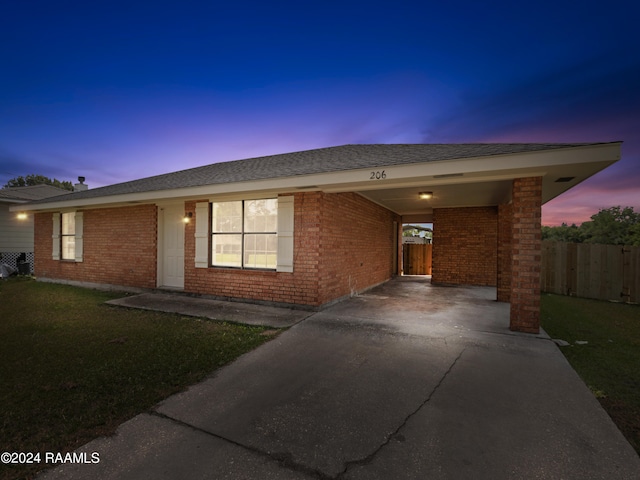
(485, 204)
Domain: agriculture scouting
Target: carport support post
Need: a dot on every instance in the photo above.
(505, 222)
(526, 201)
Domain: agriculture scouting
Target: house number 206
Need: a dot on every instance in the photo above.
(378, 175)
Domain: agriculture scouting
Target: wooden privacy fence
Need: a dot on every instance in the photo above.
(416, 258)
(604, 272)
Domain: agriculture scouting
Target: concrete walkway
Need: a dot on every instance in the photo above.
(409, 381)
(246, 313)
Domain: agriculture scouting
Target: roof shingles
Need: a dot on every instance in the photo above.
(323, 160)
(30, 193)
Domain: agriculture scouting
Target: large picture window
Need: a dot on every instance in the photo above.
(244, 234)
(68, 236)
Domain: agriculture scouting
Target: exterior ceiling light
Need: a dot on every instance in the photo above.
(425, 195)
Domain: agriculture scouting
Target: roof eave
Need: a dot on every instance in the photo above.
(592, 158)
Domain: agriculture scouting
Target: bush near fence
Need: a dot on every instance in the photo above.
(603, 272)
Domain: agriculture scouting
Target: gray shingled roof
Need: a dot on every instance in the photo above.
(323, 160)
(30, 193)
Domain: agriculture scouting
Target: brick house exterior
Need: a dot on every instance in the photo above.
(339, 219)
(465, 251)
(120, 248)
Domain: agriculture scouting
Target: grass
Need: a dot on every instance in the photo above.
(609, 363)
(73, 368)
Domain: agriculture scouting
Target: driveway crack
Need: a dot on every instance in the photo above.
(284, 459)
(369, 458)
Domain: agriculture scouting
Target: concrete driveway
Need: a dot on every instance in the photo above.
(408, 381)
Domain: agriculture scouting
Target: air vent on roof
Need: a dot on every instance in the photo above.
(564, 179)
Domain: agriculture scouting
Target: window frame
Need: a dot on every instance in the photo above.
(243, 234)
(63, 236)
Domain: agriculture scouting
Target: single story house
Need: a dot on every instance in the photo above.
(16, 234)
(310, 228)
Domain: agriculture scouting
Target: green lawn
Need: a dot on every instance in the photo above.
(73, 368)
(609, 363)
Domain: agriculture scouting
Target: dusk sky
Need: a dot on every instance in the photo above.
(116, 91)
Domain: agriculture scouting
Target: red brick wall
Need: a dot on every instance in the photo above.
(336, 236)
(342, 243)
(356, 244)
(299, 287)
(526, 254)
(465, 245)
(119, 248)
(505, 216)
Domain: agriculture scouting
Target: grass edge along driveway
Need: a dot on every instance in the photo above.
(74, 368)
(604, 349)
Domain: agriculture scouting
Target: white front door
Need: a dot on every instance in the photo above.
(172, 246)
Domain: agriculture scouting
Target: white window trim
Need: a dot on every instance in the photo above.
(285, 226)
(285, 234)
(57, 237)
(202, 235)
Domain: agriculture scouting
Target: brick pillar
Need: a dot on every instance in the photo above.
(505, 220)
(526, 253)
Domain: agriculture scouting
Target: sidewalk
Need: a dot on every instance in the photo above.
(249, 314)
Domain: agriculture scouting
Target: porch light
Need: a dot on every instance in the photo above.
(425, 195)
(22, 216)
(187, 217)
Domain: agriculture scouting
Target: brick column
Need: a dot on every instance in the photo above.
(526, 253)
(505, 220)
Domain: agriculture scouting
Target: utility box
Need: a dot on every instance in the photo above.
(24, 268)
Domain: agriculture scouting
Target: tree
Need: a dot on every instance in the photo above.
(563, 233)
(33, 179)
(417, 231)
(634, 235)
(612, 226)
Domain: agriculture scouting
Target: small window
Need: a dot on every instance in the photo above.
(68, 235)
(244, 234)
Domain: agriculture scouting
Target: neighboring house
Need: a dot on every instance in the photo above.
(286, 229)
(16, 235)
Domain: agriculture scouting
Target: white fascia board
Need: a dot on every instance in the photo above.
(486, 168)
(12, 201)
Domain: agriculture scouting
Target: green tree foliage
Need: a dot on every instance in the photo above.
(610, 226)
(564, 233)
(33, 179)
(414, 232)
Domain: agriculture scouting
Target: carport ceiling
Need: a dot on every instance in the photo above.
(406, 201)
(470, 181)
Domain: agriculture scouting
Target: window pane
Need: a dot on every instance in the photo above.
(260, 251)
(68, 248)
(261, 215)
(227, 217)
(227, 250)
(69, 223)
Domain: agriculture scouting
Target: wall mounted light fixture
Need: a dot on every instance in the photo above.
(22, 216)
(425, 195)
(187, 217)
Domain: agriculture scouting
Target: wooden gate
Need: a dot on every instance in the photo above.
(416, 259)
